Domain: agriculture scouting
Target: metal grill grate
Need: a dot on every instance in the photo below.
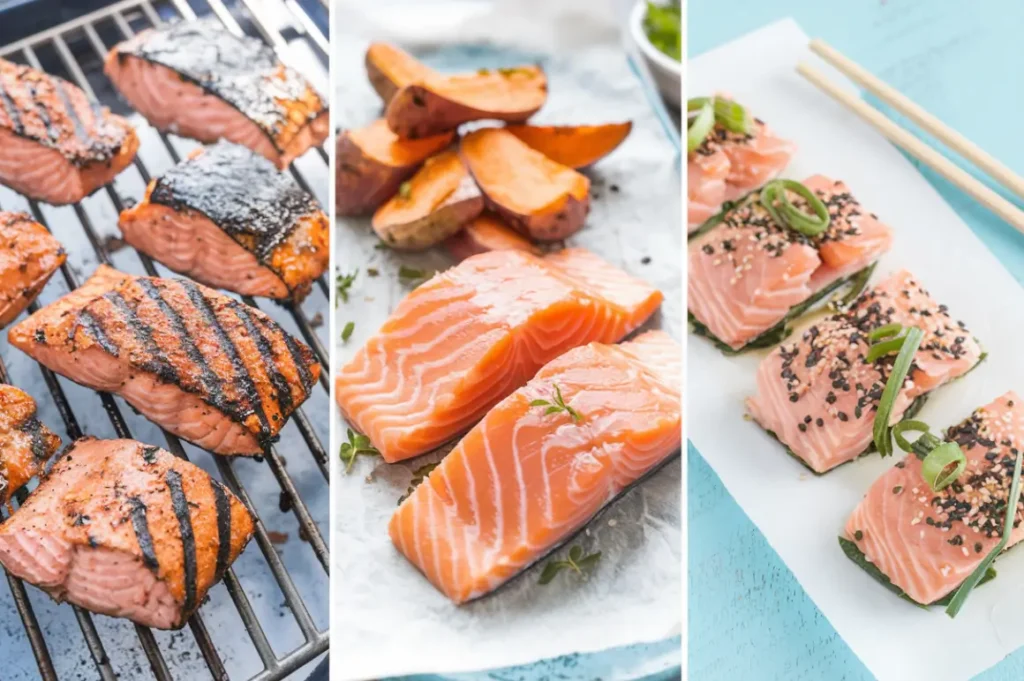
(75, 50)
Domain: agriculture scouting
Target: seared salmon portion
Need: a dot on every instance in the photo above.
(523, 480)
(29, 255)
(203, 366)
(748, 274)
(228, 218)
(927, 543)
(127, 530)
(25, 443)
(199, 80)
(55, 145)
(466, 339)
(819, 395)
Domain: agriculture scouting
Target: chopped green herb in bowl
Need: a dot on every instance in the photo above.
(663, 26)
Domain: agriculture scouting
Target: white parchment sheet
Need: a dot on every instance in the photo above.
(388, 619)
(802, 515)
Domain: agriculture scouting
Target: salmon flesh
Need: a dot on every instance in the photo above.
(25, 443)
(127, 530)
(29, 256)
(228, 218)
(467, 338)
(523, 480)
(201, 365)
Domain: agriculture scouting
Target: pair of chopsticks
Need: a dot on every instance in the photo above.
(912, 144)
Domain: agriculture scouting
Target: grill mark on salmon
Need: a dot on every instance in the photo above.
(179, 502)
(94, 328)
(156, 362)
(282, 391)
(25, 443)
(141, 527)
(300, 357)
(222, 500)
(11, 110)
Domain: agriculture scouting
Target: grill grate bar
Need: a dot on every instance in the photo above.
(311, 30)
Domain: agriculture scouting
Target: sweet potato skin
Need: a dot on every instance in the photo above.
(553, 226)
(486, 233)
(574, 146)
(390, 68)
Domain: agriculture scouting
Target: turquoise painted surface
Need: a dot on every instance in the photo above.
(749, 620)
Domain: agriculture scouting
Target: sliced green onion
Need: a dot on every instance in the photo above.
(979, 572)
(912, 426)
(886, 347)
(729, 114)
(943, 465)
(699, 127)
(885, 331)
(791, 216)
(900, 369)
(857, 286)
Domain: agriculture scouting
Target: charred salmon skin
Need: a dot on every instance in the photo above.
(466, 339)
(228, 218)
(127, 530)
(29, 255)
(927, 543)
(199, 80)
(523, 480)
(749, 276)
(55, 145)
(819, 395)
(201, 365)
(25, 443)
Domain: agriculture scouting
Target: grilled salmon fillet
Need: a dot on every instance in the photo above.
(56, 145)
(523, 480)
(25, 443)
(127, 530)
(927, 543)
(464, 340)
(228, 218)
(29, 255)
(199, 80)
(203, 366)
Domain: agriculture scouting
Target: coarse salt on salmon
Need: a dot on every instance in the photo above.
(25, 443)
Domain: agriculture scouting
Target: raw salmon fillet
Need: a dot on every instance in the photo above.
(56, 145)
(29, 255)
(819, 395)
(25, 443)
(748, 273)
(199, 80)
(729, 165)
(522, 481)
(467, 338)
(927, 543)
(228, 218)
(201, 365)
(127, 530)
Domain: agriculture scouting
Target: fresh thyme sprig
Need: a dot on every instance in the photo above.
(357, 445)
(343, 283)
(576, 562)
(346, 333)
(558, 406)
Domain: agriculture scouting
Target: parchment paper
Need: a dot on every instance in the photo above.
(799, 514)
(388, 619)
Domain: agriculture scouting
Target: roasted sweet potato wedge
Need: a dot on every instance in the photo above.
(373, 162)
(576, 146)
(429, 208)
(541, 198)
(487, 232)
(442, 103)
(390, 68)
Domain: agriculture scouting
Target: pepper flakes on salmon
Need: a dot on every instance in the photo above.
(29, 255)
(25, 443)
(228, 218)
(55, 145)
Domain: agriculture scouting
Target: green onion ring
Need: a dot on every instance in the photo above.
(885, 331)
(900, 369)
(699, 128)
(729, 114)
(912, 426)
(787, 214)
(943, 466)
(769, 194)
(886, 347)
(975, 577)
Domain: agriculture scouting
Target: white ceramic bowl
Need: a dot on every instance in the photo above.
(666, 71)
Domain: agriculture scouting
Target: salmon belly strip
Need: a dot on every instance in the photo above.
(198, 80)
(29, 255)
(729, 165)
(461, 342)
(927, 543)
(25, 443)
(56, 145)
(228, 218)
(201, 365)
(819, 395)
(748, 273)
(127, 530)
(522, 481)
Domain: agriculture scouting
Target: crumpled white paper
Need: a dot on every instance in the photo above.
(388, 619)
(802, 515)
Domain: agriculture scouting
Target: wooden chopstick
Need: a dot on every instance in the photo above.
(898, 101)
(916, 148)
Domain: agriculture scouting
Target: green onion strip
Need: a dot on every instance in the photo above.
(702, 114)
(909, 344)
(699, 126)
(776, 201)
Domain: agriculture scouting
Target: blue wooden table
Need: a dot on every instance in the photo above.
(748, 617)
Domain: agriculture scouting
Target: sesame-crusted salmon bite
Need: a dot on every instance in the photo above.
(775, 255)
(820, 394)
(931, 526)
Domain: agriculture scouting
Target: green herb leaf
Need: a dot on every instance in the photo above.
(575, 562)
(900, 369)
(372, 272)
(943, 465)
(342, 284)
(663, 26)
(775, 199)
(412, 276)
(551, 571)
(381, 246)
(357, 445)
(346, 333)
(405, 191)
(557, 406)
